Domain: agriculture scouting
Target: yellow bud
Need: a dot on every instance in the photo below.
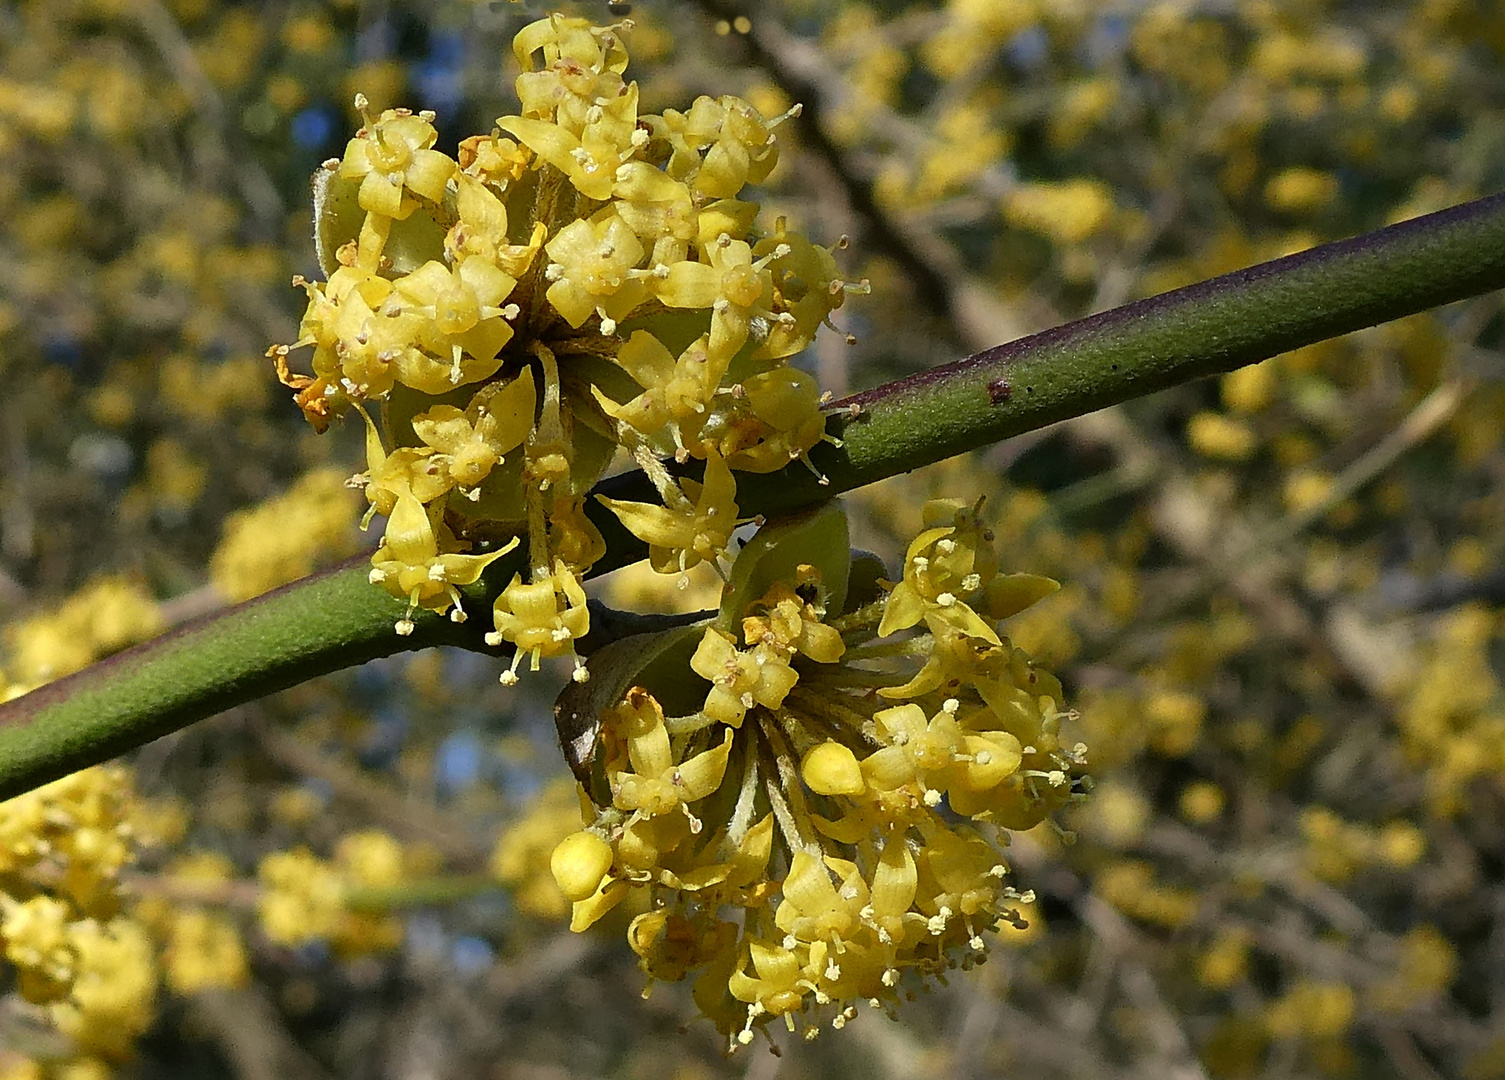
(832, 769)
(579, 863)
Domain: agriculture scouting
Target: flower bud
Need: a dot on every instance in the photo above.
(832, 769)
(579, 863)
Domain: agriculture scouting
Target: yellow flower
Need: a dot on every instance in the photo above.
(794, 624)
(474, 441)
(657, 784)
(481, 232)
(580, 863)
(740, 678)
(591, 157)
(807, 285)
(394, 159)
(36, 941)
(112, 1000)
(719, 145)
(492, 160)
(592, 272)
(676, 392)
(542, 617)
(1066, 211)
(779, 983)
(460, 318)
(302, 897)
(660, 210)
(775, 419)
(204, 951)
(582, 68)
(697, 529)
(944, 566)
(409, 565)
(832, 769)
(284, 538)
(731, 283)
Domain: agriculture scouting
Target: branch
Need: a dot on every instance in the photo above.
(336, 619)
(1205, 329)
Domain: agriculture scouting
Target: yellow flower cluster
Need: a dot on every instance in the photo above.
(282, 539)
(520, 859)
(1451, 710)
(202, 945)
(75, 955)
(106, 615)
(304, 898)
(583, 278)
(826, 810)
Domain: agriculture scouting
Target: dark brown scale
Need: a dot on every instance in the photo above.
(999, 391)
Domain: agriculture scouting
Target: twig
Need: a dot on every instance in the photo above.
(406, 817)
(336, 619)
(253, 1037)
(1178, 1059)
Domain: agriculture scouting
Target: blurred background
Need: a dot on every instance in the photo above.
(1281, 620)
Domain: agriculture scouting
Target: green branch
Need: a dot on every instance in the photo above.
(336, 619)
(1205, 329)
